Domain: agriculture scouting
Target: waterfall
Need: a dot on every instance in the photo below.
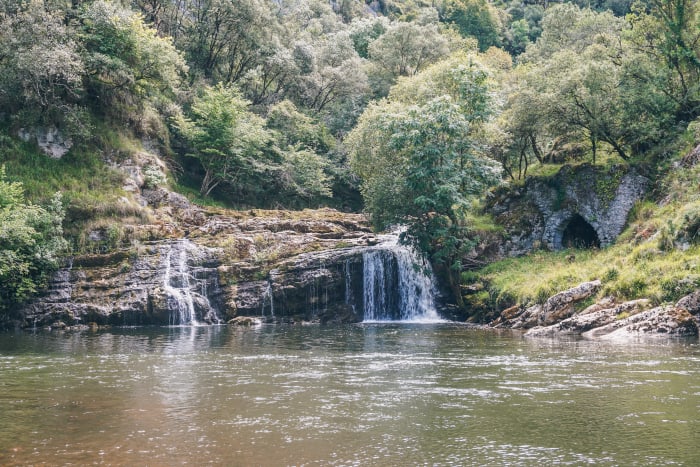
(182, 287)
(268, 296)
(398, 283)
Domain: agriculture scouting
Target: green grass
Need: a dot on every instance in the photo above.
(92, 190)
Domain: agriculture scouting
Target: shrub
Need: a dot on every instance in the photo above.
(31, 242)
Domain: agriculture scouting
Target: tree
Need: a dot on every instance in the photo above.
(583, 94)
(580, 81)
(406, 48)
(417, 162)
(474, 18)
(333, 72)
(667, 32)
(295, 128)
(227, 139)
(41, 71)
(224, 39)
(128, 64)
(363, 31)
(567, 27)
(31, 242)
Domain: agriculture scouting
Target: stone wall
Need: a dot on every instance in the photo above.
(537, 213)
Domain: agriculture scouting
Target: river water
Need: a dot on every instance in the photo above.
(368, 394)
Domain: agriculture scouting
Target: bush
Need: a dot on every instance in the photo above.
(31, 242)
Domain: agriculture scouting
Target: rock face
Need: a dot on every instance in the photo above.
(168, 282)
(50, 140)
(192, 265)
(605, 320)
(580, 206)
(179, 263)
(256, 265)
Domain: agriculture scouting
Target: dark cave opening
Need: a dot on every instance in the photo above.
(579, 234)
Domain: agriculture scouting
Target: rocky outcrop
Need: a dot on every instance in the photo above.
(539, 213)
(664, 321)
(148, 286)
(179, 263)
(216, 266)
(555, 309)
(606, 319)
(50, 140)
(596, 316)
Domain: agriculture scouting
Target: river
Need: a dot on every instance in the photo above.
(367, 394)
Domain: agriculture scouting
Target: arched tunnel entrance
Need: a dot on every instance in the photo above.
(579, 234)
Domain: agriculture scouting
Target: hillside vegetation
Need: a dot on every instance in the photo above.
(409, 110)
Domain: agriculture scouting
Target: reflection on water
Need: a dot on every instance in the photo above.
(380, 394)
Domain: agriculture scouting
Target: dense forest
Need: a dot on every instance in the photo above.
(411, 111)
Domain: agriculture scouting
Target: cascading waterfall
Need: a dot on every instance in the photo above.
(179, 281)
(398, 283)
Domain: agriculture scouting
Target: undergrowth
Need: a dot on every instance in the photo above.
(92, 190)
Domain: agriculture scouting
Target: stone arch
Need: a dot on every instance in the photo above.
(577, 232)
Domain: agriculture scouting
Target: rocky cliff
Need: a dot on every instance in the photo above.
(207, 265)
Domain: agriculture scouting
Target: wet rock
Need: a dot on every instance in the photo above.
(245, 321)
(238, 264)
(129, 289)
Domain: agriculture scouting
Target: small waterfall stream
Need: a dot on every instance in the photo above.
(182, 287)
(397, 283)
(268, 297)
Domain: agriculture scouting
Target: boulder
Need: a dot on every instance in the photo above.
(690, 303)
(561, 305)
(245, 321)
(555, 309)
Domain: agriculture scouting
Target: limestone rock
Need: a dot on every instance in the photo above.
(660, 322)
(595, 316)
(690, 303)
(555, 309)
(269, 264)
(50, 140)
(561, 305)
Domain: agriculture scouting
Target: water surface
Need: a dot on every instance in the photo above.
(372, 394)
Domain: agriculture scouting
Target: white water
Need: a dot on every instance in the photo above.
(398, 284)
(178, 283)
(180, 293)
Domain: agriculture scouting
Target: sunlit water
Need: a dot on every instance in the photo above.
(372, 394)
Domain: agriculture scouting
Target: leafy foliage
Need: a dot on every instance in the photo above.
(31, 242)
(417, 162)
(227, 139)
